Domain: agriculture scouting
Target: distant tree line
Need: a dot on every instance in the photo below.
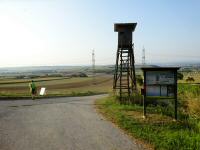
(80, 74)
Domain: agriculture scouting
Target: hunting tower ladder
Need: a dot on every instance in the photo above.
(124, 77)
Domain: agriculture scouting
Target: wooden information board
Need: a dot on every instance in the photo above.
(160, 82)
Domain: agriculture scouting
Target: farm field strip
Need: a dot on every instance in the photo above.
(17, 81)
(102, 84)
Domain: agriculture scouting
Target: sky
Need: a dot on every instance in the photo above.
(64, 32)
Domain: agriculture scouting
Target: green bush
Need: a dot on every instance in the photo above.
(139, 80)
(190, 79)
(180, 76)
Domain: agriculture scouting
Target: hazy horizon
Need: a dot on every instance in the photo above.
(54, 33)
(90, 65)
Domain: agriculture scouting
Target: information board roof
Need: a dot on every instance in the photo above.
(159, 68)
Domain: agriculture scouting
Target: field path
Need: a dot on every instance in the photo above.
(58, 124)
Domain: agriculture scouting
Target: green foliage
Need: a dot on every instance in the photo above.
(190, 79)
(188, 89)
(180, 76)
(88, 93)
(80, 74)
(139, 80)
(34, 76)
(20, 77)
(54, 75)
(107, 71)
(135, 98)
(189, 99)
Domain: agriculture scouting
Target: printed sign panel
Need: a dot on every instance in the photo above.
(163, 91)
(159, 77)
(157, 90)
(153, 90)
(170, 91)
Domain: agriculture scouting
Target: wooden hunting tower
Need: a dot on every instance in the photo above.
(124, 76)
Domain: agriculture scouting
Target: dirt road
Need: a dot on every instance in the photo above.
(58, 124)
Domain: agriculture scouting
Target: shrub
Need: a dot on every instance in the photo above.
(139, 80)
(80, 74)
(190, 79)
(180, 76)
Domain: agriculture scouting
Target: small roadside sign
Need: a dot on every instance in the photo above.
(43, 91)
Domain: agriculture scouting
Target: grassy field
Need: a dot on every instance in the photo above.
(57, 86)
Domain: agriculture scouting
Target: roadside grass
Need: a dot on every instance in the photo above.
(72, 94)
(157, 129)
(189, 90)
(189, 97)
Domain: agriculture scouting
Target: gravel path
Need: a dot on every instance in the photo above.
(58, 124)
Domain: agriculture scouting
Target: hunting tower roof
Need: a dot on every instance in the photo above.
(121, 27)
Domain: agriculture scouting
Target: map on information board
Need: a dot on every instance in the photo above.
(159, 77)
